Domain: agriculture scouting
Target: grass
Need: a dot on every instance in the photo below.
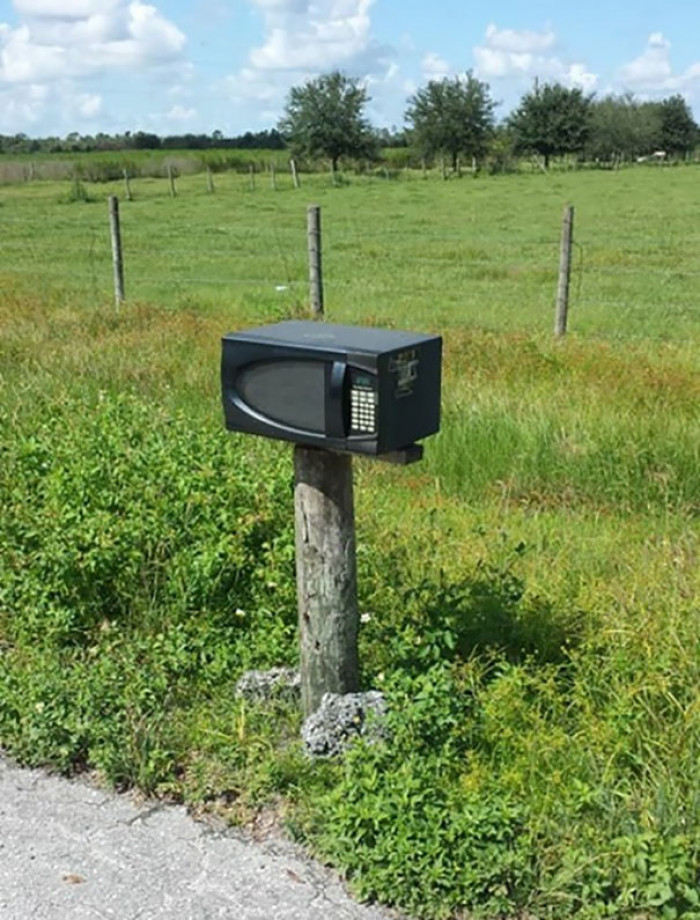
(455, 254)
(530, 587)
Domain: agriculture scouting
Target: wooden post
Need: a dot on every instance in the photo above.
(117, 260)
(326, 574)
(210, 181)
(251, 171)
(273, 180)
(562, 312)
(171, 179)
(315, 269)
(295, 177)
(127, 186)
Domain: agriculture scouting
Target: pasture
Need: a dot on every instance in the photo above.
(530, 588)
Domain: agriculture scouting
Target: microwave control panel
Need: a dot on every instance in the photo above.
(363, 403)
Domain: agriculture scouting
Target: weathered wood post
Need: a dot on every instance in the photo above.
(295, 176)
(315, 268)
(117, 259)
(326, 574)
(210, 181)
(562, 310)
(127, 185)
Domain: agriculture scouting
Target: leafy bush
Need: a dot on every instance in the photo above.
(143, 559)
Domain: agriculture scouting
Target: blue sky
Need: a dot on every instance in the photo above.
(172, 66)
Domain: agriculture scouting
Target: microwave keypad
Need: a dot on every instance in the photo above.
(363, 413)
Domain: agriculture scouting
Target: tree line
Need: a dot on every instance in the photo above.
(448, 118)
(141, 140)
(455, 117)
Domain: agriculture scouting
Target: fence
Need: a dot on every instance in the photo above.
(204, 247)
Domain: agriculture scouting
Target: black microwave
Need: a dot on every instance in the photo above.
(350, 388)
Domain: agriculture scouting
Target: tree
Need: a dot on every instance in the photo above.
(324, 117)
(551, 120)
(452, 116)
(679, 133)
(621, 127)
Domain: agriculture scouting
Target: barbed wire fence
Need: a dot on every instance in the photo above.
(86, 262)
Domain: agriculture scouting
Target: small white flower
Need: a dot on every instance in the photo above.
(365, 617)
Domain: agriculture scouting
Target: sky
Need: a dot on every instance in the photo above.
(175, 66)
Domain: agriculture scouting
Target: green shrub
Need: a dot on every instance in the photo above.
(143, 558)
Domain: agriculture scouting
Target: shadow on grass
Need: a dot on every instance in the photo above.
(489, 613)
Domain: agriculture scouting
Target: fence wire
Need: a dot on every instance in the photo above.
(345, 244)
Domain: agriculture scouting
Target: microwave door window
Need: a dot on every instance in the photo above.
(291, 393)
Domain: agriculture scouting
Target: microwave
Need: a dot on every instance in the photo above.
(347, 388)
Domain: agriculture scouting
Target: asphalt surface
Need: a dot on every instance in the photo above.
(71, 851)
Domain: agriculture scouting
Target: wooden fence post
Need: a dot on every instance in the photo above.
(326, 574)
(562, 310)
(210, 181)
(117, 260)
(127, 185)
(315, 269)
(295, 177)
(273, 180)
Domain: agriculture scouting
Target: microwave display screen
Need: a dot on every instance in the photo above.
(289, 392)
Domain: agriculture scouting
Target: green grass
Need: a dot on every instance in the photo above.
(531, 587)
(461, 253)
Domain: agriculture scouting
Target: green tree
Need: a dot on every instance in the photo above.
(551, 120)
(679, 133)
(325, 117)
(452, 116)
(621, 127)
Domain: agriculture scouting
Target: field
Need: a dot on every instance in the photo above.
(530, 588)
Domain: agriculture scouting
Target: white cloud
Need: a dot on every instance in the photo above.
(652, 72)
(526, 54)
(312, 35)
(434, 67)
(94, 37)
(652, 67)
(89, 104)
(179, 113)
(58, 43)
(60, 9)
(578, 76)
(23, 106)
(512, 41)
(304, 38)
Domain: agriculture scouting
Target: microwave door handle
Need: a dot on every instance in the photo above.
(337, 420)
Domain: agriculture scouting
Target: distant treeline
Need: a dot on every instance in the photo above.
(143, 140)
